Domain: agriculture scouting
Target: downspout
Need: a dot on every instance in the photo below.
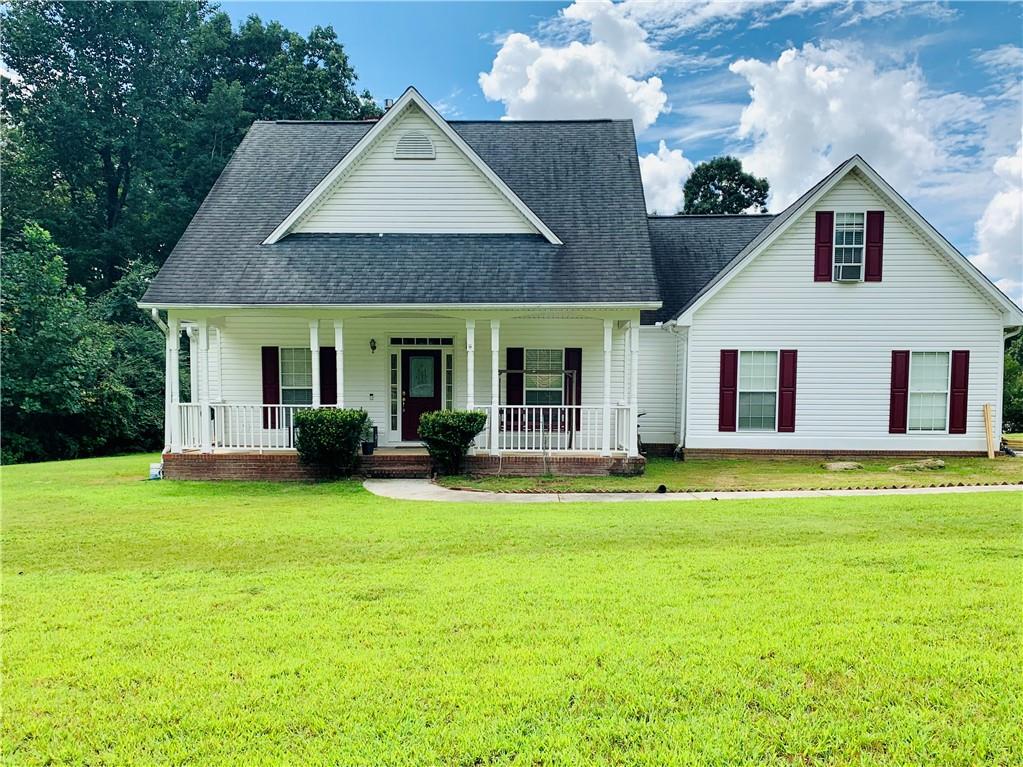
(154, 315)
(683, 332)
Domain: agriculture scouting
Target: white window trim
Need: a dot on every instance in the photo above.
(834, 245)
(739, 390)
(948, 391)
(560, 389)
(280, 373)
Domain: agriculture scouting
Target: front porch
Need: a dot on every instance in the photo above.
(558, 389)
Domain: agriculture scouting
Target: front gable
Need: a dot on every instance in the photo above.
(411, 173)
(917, 260)
(917, 278)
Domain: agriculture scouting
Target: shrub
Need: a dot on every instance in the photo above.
(328, 438)
(448, 434)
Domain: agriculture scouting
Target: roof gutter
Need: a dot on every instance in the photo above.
(643, 305)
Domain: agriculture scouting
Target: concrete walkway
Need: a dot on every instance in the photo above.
(424, 490)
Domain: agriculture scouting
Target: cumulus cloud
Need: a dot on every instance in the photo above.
(664, 174)
(999, 231)
(816, 106)
(610, 75)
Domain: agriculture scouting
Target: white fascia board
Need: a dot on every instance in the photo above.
(411, 95)
(1013, 314)
(641, 305)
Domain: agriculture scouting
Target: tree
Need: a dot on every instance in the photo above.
(1012, 383)
(721, 185)
(132, 109)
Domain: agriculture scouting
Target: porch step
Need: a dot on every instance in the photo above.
(395, 466)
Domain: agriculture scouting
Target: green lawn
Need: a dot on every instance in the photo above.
(207, 624)
(750, 474)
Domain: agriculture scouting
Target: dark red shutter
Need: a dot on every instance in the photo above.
(515, 359)
(271, 385)
(875, 245)
(328, 376)
(728, 387)
(787, 390)
(573, 391)
(822, 241)
(898, 406)
(959, 391)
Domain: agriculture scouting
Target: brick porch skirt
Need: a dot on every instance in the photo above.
(285, 466)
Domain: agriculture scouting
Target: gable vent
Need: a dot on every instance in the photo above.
(414, 145)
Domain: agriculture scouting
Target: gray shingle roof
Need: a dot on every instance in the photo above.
(690, 251)
(580, 177)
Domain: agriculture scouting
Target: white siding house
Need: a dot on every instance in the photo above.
(413, 264)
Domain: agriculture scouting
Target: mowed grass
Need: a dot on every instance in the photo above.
(761, 474)
(210, 624)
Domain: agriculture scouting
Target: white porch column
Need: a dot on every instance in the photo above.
(193, 364)
(495, 384)
(173, 384)
(203, 365)
(605, 445)
(470, 364)
(633, 388)
(314, 353)
(339, 358)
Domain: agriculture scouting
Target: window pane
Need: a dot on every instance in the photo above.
(929, 372)
(543, 397)
(757, 410)
(927, 412)
(544, 359)
(758, 371)
(421, 377)
(296, 367)
(296, 396)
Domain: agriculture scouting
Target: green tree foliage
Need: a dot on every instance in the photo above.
(721, 185)
(115, 124)
(1012, 383)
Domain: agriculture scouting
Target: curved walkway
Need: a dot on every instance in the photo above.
(425, 490)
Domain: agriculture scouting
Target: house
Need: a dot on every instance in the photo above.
(412, 263)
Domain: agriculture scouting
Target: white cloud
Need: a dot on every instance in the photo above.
(611, 75)
(816, 106)
(999, 231)
(664, 174)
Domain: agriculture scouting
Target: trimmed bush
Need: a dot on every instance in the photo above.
(328, 438)
(448, 434)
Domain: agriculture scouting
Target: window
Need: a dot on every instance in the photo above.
(928, 391)
(449, 383)
(848, 263)
(394, 392)
(296, 377)
(540, 386)
(758, 390)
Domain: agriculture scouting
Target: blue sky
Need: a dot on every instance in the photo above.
(929, 93)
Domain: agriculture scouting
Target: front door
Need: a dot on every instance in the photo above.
(420, 389)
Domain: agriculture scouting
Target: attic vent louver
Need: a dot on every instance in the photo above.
(414, 145)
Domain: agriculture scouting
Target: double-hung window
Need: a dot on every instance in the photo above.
(544, 381)
(848, 256)
(758, 391)
(928, 391)
(296, 376)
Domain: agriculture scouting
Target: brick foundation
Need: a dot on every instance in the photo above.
(276, 467)
(561, 465)
(691, 453)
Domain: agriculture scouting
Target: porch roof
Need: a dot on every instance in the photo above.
(581, 177)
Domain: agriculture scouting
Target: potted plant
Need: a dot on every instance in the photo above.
(369, 437)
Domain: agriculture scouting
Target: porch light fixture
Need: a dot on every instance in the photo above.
(372, 345)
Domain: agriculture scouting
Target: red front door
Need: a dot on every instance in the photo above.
(420, 389)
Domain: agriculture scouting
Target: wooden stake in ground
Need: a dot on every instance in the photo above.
(989, 430)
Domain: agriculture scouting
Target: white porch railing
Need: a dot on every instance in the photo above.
(240, 427)
(522, 428)
(550, 428)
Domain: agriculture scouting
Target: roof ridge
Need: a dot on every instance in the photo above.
(710, 215)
